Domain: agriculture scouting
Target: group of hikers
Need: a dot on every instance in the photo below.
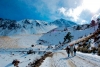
(71, 50)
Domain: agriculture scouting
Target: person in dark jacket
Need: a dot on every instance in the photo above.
(74, 51)
(68, 51)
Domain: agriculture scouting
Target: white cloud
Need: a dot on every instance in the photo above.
(62, 10)
(72, 12)
(77, 14)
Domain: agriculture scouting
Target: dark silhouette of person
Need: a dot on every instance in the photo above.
(74, 51)
(68, 51)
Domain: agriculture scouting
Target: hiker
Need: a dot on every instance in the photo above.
(71, 49)
(74, 51)
(68, 51)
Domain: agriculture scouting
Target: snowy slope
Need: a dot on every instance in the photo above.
(52, 38)
(6, 58)
(56, 36)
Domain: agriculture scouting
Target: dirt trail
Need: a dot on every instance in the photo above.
(71, 63)
(59, 61)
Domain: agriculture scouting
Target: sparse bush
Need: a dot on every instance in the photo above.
(88, 46)
(93, 49)
(78, 27)
(88, 26)
(15, 62)
(32, 45)
(38, 62)
(85, 50)
(40, 43)
(89, 51)
(30, 52)
(78, 48)
(81, 49)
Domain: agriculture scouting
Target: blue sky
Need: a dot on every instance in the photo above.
(80, 11)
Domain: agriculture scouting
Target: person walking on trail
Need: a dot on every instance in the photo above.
(71, 49)
(74, 51)
(68, 51)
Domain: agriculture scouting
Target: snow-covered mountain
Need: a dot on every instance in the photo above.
(26, 26)
(62, 22)
(29, 26)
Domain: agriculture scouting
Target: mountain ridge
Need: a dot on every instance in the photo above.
(30, 26)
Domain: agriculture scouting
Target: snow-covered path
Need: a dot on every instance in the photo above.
(57, 60)
(60, 59)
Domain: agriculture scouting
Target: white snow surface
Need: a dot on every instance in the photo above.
(6, 58)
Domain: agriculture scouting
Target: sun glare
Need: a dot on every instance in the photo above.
(91, 5)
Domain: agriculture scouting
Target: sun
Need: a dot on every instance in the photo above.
(91, 5)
